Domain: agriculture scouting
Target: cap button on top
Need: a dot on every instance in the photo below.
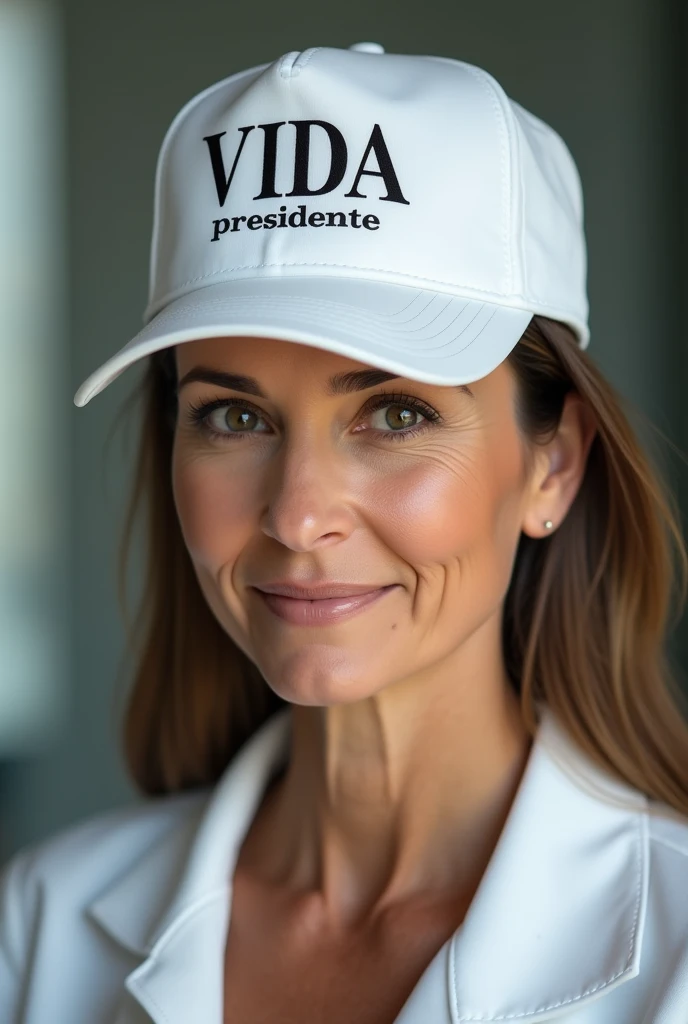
(368, 47)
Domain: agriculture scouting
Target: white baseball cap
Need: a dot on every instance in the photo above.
(399, 210)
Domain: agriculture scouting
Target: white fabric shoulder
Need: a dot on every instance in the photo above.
(73, 865)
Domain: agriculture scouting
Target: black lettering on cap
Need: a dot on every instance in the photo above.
(269, 161)
(301, 155)
(222, 182)
(386, 172)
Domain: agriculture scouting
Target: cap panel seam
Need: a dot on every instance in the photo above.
(489, 86)
(546, 131)
(303, 60)
(520, 213)
(287, 63)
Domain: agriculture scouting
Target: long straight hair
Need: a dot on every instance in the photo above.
(585, 616)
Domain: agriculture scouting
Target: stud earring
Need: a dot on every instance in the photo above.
(548, 524)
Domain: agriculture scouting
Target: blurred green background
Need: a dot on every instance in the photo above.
(609, 75)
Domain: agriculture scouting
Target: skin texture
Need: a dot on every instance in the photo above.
(407, 744)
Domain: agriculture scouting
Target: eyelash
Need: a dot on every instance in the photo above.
(198, 415)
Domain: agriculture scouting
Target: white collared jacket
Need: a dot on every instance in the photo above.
(581, 916)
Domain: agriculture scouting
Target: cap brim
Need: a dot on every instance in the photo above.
(424, 335)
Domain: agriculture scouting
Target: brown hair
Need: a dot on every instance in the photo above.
(585, 615)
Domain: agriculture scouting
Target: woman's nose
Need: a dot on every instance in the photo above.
(308, 503)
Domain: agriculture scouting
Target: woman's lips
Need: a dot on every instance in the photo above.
(301, 612)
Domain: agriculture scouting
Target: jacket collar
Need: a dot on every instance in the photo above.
(557, 918)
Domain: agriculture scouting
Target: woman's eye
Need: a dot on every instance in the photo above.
(234, 419)
(395, 417)
(390, 417)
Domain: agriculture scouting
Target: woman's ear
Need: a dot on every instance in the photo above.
(559, 468)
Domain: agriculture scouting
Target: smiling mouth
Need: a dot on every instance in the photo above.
(300, 611)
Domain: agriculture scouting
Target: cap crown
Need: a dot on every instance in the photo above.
(406, 169)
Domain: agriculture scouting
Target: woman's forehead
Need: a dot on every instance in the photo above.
(267, 350)
(270, 357)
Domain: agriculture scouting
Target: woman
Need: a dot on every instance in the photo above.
(401, 697)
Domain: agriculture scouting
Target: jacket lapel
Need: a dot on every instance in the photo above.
(182, 978)
(558, 918)
(172, 908)
(556, 922)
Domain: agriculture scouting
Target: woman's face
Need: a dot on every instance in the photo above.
(421, 489)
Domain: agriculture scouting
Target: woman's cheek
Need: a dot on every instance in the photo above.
(216, 507)
(431, 511)
(455, 511)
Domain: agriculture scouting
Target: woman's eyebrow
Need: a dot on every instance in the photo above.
(339, 384)
(232, 381)
(359, 380)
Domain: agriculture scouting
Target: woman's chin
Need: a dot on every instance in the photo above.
(322, 676)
